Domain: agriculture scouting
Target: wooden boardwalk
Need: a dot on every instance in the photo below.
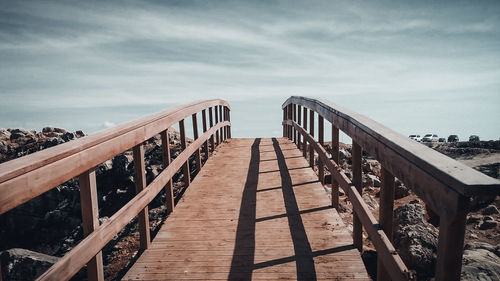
(256, 211)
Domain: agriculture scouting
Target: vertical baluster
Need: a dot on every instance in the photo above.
(185, 166)
(90, 219)
(385, 214)
(217, 138)
(290, 128)
(228, 119)
(197, 154)
(451, 245)
(284, 118)
(321, 140)
(169, 189)
(299, 121)
(140, 184)
(294, 118)
(222, 138)
(211, 120)
(204, 123)
(304, 149)
(311, 132)
(357, 174)
(335, 156)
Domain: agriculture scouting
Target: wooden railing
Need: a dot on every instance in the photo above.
(444, 184)
(26, 178)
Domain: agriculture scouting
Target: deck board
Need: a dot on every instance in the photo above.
(256, 211)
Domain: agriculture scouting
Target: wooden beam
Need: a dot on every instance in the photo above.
(169, 189)
(75, 259)
(204, 123)
(335, 157)
(217, 136)
(294, 118)
(197, 155)
(222, 137)
(90, 220)
(357, 232)
(211, 119)
(311, 132)
(385, 215)
(229, 119)
(450, 247)
(304, 150)
(284, 126)
(299, 121)
(185, 167)
(140, 185)
(321, 140)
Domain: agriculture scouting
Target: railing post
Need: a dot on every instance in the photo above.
(311, 132)
(228, 119)
(195, 133)
(204, 123)
(294, 118)
(304, 150)
(335, 156)
(169, 189)
(217, 137)
(299, 121)
(321, 140)
(289, 117)
(450, 247)
(185, 166)
(90, 220)
(222, 137)
(211, 120)
(140, 184)
(357, 232)
(284, 118)
(385, 215)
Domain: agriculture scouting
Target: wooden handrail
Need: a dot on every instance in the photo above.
(444, 184)
(27, 177)
(75, 259)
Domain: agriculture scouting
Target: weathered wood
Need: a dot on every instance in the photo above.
(289, 117)
(229, 119)
(335, 158)
(197, 154)
(284, 118)
(217, 135)
(194, 243)
(70, 263)
(299, 121)
(166, 158)
(304, 149)
(90, 219)
(450, 247)
(204, 121)
(357, 231)
(27, 177)
(294, 118)
(212, 140)
(385, 215)
(140, 185)
(321, 140)
(391, 260)
(311, 132)
(185, 167)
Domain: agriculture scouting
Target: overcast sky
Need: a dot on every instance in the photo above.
(84, 54)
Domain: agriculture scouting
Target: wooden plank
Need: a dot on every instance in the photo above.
(222, 137)
(335, 158)
(185, 167)
(140, 185)
(284, 126)
(304, 149)
(228, 243)
(70, 263)
(311, 132)
(195, 133)
(217, 136)
(321, 140)
(166, 158)
(357, 232)
(27, 177)
(299, 121)
(450, 247)
(204, 122)
(90, 219)
(385, 215)
(229, 119)
(210, 115)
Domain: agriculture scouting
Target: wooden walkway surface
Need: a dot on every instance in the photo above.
(256, 211)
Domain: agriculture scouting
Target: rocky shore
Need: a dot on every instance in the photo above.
(34, 235)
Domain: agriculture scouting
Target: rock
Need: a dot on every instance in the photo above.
(79, 134)
(487, 224)
(47, 129)
(121, 165)
(481, 201)
(375, 180)
(490, 210)
(52, 142)
(415, 239)
(4, 134)
(400, 190)
(344, 154)
(68, 136)
(370, 201)
(343, 208)
(21, 264)
(480, 262)
(59, 130)
(473, 219)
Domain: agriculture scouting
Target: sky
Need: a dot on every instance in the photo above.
(414, 66)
